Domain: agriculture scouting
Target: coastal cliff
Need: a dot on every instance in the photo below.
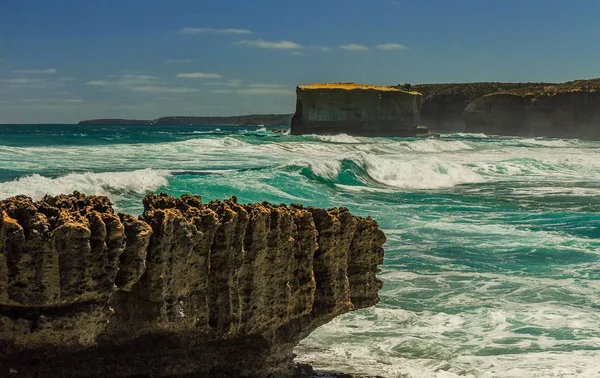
(355, 109)
(216, 289)
(444, 104)
(243, 120)
(568, 110)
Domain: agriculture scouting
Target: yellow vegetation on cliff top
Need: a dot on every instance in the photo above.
(349, 86)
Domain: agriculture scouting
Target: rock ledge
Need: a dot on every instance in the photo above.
(216, 289)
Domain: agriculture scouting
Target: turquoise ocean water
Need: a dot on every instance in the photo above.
(492, 265)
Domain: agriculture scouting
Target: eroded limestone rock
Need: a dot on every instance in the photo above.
(356, 109)
(188, 288)
(444, 104)
(567, 110)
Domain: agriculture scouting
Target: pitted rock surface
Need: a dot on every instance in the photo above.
(216, 289)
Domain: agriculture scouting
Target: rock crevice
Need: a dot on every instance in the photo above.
(186, 288)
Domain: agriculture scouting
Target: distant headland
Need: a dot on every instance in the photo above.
(240, 120)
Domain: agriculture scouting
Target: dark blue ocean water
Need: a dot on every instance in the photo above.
(492, 264)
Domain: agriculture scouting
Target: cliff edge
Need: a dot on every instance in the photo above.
(356, 109)
(444, 104)
(216, 289)
(568, 110)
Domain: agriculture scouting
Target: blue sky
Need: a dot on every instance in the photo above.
(62, 61)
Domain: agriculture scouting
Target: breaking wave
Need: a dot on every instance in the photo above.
(390, 172)
(106, 183)
(427, 173)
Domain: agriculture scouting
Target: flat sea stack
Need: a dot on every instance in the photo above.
(186, 289)
(355, 109)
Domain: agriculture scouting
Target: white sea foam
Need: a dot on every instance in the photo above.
(328, 169)
(548, 142)
(419, 173)
(532, 165)
(400, 163)
(213, 144)
(560, 191)
(36, 186)
(340, 138)
(213, 131)
(465, 135)
(436, 145)
(259, 130)
(482, 342)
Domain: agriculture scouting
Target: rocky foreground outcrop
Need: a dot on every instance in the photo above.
(569, 110)
(355, 109)
(186, 289)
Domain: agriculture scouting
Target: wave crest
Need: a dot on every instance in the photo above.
(37, 186)
(386, 172)
(339, 138)
(435, 145)
(427, 173)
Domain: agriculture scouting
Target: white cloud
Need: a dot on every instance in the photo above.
(179, 61)
(162, 89)
(266, 86)
(220, 91)
(234, 83)
(262, 44)
(51, 100)
(140, 77)
(198, 75)
(321, 48)
(253, 89)
(228, 83)
(101, 83)
(390, 46)
(298, 53)
(140, 83)
(125, 81)
(24, 82)
(263, 91)
(214, 31)
(42, 71)
(354, 47)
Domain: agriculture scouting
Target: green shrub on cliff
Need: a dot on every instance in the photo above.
(405, 87)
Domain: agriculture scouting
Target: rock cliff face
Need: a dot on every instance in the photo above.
(569, 110)
(499, 114)
(354, 109)
(444, 104)
(216, 289)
